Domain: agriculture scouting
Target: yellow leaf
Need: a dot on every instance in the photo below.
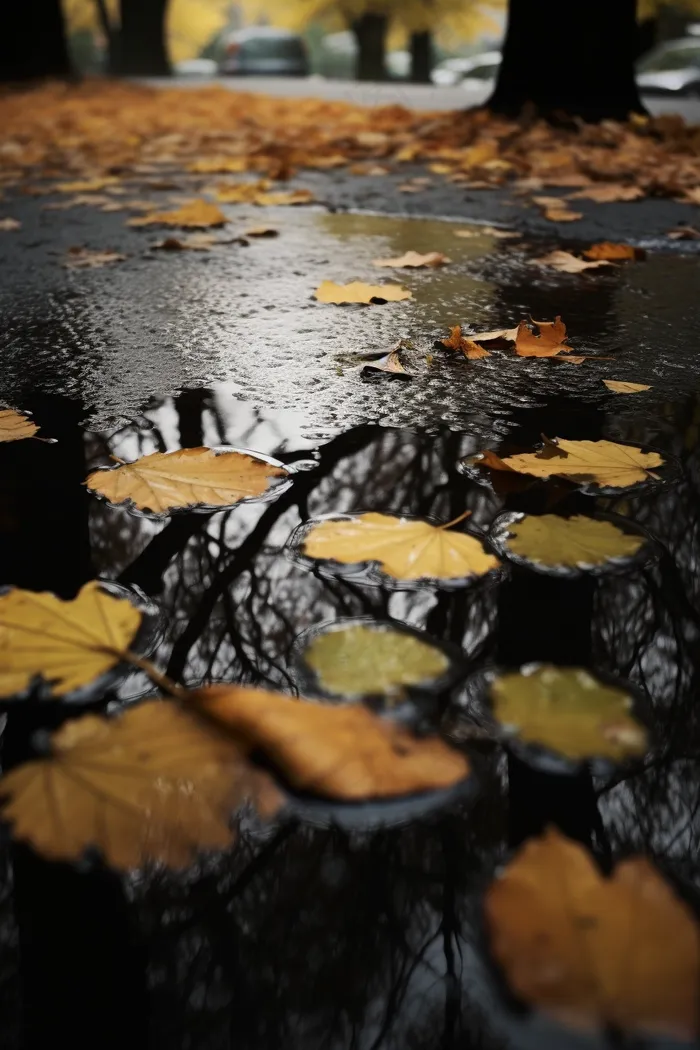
(569, 711)
(219, 165)
(404, 549)
(261, 231)
(602, 462)
(67, 643)
(241, 192)
(344, 752)
(14, 426)
(359, 292)
(466, 345)
(415, 260)
(562, 215)
(595, 952)
(155, 784)
(195, 214)
(619, 387)
(568, 263)
(279, 197)
(549, 343)
(195, 242)
(548, 539)
(86, 185)
(189, 477)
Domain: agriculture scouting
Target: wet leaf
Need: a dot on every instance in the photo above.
(569, 711)
(67, 643)
(414, 260)
(549, 342)
(404, 549)
(619, 387)
(562, 214)
(567, 263)
(14, 426)
(390, 363)
(154, 784)
(608, 193)
(595, 952)
(606, 250)
(89, 259)
(189, 477)
(197, 214)
(86, 185)
(219, 165)
(488, 231)
(551, 540)
(508, 335)
(602, 462)
(195, 242)
(684, 233)
(241, 192)
(464, 344)
(261, 231)
(284, 197)
(7, 225)
(359, 292)
(342, 752)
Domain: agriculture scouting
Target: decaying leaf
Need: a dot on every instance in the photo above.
(619, 387)
(568, 263)
(196, 214)
(599, 462)
(569, 711)
(606, 250)
(89, 259)
(189, 477)
(404, 549)
(549, 342)
(359, 292)
(8, 224)
(14, 426)
(342, 752)
(464, 344)
(608, 193)
(68, 644)
(595, 952)
(414, 260)
(390, 363)
(154, 784)
(548, 539)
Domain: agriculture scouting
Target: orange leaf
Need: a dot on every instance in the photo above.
(196, 214)
(548, 343)
(608, 251)
(467, 346)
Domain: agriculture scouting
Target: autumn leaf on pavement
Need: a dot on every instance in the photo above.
(67, 644)
(7, 225)
(240, 192)
(600, 462)
(684, 233)
(186, 478)
(575, 542)
(195, 214)
(390, 364)
(403, 548)
(463, 344)
(86, 185)
(359, 292)
(335, 751)
(567, 263)
(562, 214)
(606, 250)
(89, 259)
(508, 335)
(619, 387)
(219, 165)
(261, 231)
(415, 260)
(195, 242)
(284, 197)
(549, 342)
(14, 426)
(608, 193)
(621, 952)
(488, 231)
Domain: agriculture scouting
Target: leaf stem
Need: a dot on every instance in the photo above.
(156, 676)
(455, 521)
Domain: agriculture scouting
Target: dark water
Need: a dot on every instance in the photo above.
(310, 937)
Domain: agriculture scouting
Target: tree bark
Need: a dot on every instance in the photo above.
(32, 40)
(141, 47)
(575, 60)
(370, 33)
(421, 57)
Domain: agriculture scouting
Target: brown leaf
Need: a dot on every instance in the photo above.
(562, 215)
(86, 185)
(565, 262)
(684, 233)
(608, 250)
(548, 343)
(414, 260)
(14, 426)
(261, 231)
(86, 258)
(284, 197)
(197, 214)
(9, 224)
(467, 346)
(608, 193)
(196, 242)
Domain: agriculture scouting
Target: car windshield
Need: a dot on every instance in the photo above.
(273, 47)
(671, 58)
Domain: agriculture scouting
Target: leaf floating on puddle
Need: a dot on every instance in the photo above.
(551, 540)
(562, 215)
(87, 259)
(619, 387)
(415, 260)
(621, 952)
(404, 549)
(465, 344)
(565, 262)
(14, 426)
(549, 342)
(67, 643)
(601, 462)
(197, 214)
(187, 478)
(358, 292)
(568, 710)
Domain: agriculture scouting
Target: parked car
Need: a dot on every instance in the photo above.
(672, 68)
(263, 51)
(476, 71)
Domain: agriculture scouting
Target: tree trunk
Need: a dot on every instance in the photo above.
(32, 40)
(421, 57)
(141, 45)
(575, 59)
(370, 33)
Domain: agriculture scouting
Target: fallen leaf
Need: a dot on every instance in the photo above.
(6, 225)
(88, 259)
(601, 462)
(369, 169)
(562, 215)
(284, 197)
(567, 263)
(404, 549)
(155, 784)
(80, 200)
(121, 205)
(606, 250)
(261, 231)
(358, 292)
(608, 193)
(187, 478)
(241, 192)
(339, 751)
(414, 259)
(196, 242)
(549, 202)
(219, 165)
(86, 185)
(621, 952)
(410, 187)
(389, 363)
(67, 644)
(691, 195)
(574, 542)
(509, 335)
(488, 231)
(549, 342)
(14, 426)
(684, 233)
(619, 387)
(466, 345)
(196, 214)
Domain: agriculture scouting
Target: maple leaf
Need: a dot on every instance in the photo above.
(15, 425)
(601, 462)
(551, 541)
(414, 260)
(359, 292)
(508, 335)
(468, 346)
(78, 258)
(568, 263)
(196, 214)
(548, 343)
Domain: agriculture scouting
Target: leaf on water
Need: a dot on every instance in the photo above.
(606, 250)
(595, 952)
(86, 185)
(66, 643)
(404, 549)
(197, 214)
(14, 426)
(88, 259)
(155, 784)
(261, 231)
(342, 752)
(569, 711)
(548, 539)
(390, 364)
(415, 260)
(463, 344)
(601, 462)
(189, 477)
(549, 342)
(568, 263)
(608, 193)
(8, 224)
(619, 387)
(562, 215)
(359, 292)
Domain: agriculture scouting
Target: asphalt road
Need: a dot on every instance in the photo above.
(413, 96)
